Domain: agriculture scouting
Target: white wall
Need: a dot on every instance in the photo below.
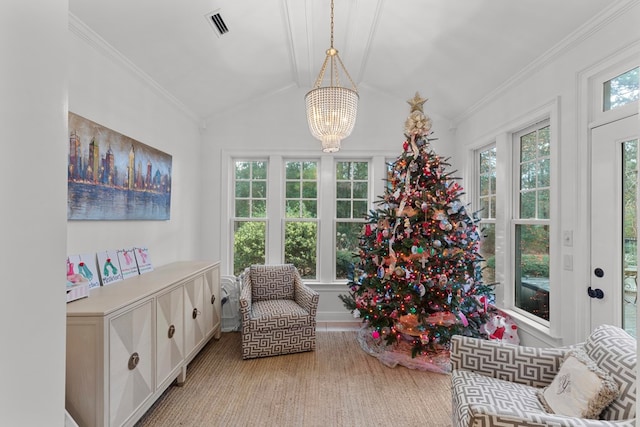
(33, 109)
(105, 89)
(557, 78)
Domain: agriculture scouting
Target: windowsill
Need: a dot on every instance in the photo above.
(535, 330)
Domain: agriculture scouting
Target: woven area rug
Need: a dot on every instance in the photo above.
(336, 385)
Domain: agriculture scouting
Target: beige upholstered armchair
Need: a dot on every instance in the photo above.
(498, 384)
(278, 311)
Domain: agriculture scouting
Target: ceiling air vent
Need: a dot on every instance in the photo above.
(215, 19)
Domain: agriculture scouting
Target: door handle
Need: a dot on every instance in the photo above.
(595, 293)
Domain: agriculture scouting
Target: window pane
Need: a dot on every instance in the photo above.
(528, 145)
(300, 247)
(343, 171)
(292, 190)
(485, 188)
(492, 205)
(544, 173)
(248, 244)
(488, 252)
(292, 170)
(487, 182)
(259, 209)
(544, 142)
(242, 188)
(535, 173)
(292, 209)
(343, 190)
(485, 211)
(309, 190)
(259, 189)
(301, 185)
(347, 237)
(343, 209)
(259, 170)
(543, 204)
(621, 90)
(360, 190)
(242, 208)
(310, 170)
(250, 192)
(532, 269)
(528, 204)
(488, 161)
(359, 209)
(361, 170)
(243, 170)
(528, 172)
(309, 209)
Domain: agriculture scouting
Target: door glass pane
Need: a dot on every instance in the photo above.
(629, 235)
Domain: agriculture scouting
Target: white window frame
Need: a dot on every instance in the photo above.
(502, 137)
(325, 273)
(316, 220)
(475, 188)
(516, 220)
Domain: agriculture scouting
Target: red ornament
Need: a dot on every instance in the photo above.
(405, 146)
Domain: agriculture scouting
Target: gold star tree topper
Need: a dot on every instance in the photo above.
(417, 103)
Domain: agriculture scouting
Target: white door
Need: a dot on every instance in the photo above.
(613, 276)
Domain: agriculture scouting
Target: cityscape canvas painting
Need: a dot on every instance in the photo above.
(113, 177)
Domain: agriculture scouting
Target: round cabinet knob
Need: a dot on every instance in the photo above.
(134, 359)
(213, 299)
(172, 331)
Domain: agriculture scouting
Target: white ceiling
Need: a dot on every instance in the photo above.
(454, 51)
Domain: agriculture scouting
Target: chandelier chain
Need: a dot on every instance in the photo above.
(331, 24)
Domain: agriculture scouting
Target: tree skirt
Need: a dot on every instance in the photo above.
(500, 327)
(400, 354)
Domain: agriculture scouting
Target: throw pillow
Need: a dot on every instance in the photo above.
(580, 389)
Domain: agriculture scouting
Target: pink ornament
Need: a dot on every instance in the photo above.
(375, 335)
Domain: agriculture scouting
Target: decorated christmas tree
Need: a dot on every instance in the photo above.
(418, 277)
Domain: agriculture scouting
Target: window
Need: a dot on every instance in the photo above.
(301, 210)
(621, 90)
(486, 169)
(250, 214)
(531, 219)
(352, 204)
(301, 216)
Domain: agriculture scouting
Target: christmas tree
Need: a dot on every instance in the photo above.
(418, 278)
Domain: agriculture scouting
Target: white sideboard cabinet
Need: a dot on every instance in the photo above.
(130, 340)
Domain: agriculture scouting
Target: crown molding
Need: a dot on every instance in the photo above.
(582, 33)
(86, 34)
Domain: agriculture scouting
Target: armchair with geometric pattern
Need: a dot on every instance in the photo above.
(278, 311)
(500, 384)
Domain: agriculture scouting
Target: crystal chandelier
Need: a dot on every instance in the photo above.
(331, 110)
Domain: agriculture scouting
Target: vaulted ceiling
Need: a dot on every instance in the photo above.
(455, 51)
